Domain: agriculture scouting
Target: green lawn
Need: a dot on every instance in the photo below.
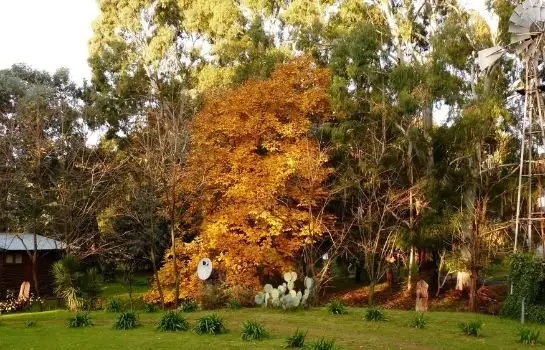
(350, 331)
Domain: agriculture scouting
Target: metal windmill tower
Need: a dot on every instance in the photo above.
(527, 29)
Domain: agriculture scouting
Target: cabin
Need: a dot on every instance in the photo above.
(16, 264)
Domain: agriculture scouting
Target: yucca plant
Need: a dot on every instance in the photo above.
(189, 305)
(374, 314)
(172, 321)
(233, 304)
(210, 324)
(253, 330)
(80, 320)
(297, 340)
(418, 321)
(31, 323)
(323, 344)
(150, 308)
(126, 320)
(114, 305)
(336, 307)
(529, 336)
(471, 328)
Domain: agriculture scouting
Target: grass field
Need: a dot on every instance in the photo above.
(351, 331)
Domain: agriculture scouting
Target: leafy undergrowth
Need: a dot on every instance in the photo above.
(490, 298)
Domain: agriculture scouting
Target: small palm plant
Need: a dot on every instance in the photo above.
(253, 330)
(126, 320)
(80, 320)
(211, 324)
(297, 340)
(67, 273)
(336, 307)
(172, 321)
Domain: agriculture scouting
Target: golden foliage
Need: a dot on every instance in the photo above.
(258, 178)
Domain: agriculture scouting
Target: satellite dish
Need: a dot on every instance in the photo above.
(204, 270)
(526, 27)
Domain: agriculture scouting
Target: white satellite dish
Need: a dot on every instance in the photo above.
(204, 270)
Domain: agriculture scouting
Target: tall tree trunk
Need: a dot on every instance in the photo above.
(371, 296)
(156, 276)
(473, 290)
(173, 239)
(411, 263)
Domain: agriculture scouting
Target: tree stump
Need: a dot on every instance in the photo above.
(422, 296)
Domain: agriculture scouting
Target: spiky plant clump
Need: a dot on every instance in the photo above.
(210, 324)
(253, 330)
(150, 308)
(233, 304)
(126, 320)
(297, 340)
(374, 314)
(418, 321)
(80, 320)
(336, 307)
(323, 344)
(66, 274)
(172, 321)
(529, 336)
(31, 323)
(471, 328)
(114, 305)
(189, 305)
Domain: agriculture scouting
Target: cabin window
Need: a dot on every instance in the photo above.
(14, 258)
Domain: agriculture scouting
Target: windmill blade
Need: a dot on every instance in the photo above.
(516, 29)
(487, 57)
(516, 38)
(520, 48)
(520, 17)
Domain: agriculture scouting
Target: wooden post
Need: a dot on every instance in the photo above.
(422, 296)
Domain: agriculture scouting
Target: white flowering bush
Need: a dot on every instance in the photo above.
(13, 304)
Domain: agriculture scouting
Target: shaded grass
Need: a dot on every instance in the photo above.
(350, 331)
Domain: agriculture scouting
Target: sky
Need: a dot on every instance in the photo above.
(47, 34)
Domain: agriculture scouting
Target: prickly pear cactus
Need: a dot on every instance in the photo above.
(285, 295)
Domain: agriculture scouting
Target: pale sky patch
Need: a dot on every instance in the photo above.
(47, 34)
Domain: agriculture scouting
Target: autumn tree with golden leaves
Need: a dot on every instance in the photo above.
(257, 176)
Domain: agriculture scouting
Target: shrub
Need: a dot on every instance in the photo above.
(418, 321)
(126, 320)
(172, 321)
(323, 344)
(374, 314)
(297, 340)
(211, 324)
(31, 323)
(336, 307)
(12, 303)
(535, 313)
(253, 330)
(78, 287)
(150, 308)
(233, 304)
(529, 336)
(114, 305)
(471, 328)
(189, 305)
(80, 320)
